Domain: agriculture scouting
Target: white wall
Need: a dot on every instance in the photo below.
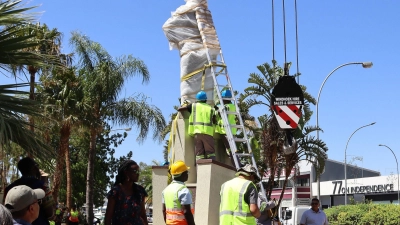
(379, 184)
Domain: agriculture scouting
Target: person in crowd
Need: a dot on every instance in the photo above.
(23, 203)
(177, 198)
(314, 216)
(31, 177)
(266, 217)
(201, 126)
(5, 216)
(73, 217)
(126, 199)
(240, 189)
(58, 216)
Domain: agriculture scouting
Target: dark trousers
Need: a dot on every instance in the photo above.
(204, 146)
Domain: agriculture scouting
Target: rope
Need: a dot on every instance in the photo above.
(190, 75)
(172, 139)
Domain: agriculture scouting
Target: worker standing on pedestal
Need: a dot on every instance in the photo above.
(201, 126)
(177, 198)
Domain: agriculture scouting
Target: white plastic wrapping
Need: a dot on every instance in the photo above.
(190, 30)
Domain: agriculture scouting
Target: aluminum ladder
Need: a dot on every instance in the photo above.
(219, 70)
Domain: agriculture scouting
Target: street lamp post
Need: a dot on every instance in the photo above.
(398, 182)
(345, 161)
(364, 65)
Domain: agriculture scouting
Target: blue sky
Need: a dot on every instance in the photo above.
(331, 33)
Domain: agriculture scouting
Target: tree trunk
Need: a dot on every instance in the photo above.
(90, 174)
(32, 71)
(283, 190)
(65, 132)
(69, 180)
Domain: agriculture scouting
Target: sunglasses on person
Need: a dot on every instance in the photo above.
(134, 171)
(314, 203)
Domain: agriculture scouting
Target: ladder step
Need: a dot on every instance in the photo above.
(236, 126)
(232, 113)
(240, 139)
(244, 154)
(223, 86)
(229, 99)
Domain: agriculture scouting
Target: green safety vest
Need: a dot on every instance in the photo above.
(219, 128)
(233, 209)
(174, 210)
(201, 119)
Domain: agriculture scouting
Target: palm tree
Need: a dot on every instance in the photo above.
(271, 137)
(103, 78)
(61, 89)
(18, 37)
(14, 21)
(14, 105)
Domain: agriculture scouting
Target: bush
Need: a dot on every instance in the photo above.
(364, 214)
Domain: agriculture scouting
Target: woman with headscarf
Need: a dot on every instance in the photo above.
(126, 199)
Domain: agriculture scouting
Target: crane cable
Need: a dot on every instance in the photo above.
(284, 36)
(297, 43)
(273, 37)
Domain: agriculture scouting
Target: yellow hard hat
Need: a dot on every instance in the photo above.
(179, 167)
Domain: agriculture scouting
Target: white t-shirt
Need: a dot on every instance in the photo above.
(310, 217)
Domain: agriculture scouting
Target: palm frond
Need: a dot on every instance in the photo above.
(136, 111)
(14, 126)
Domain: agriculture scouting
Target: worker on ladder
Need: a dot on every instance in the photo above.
(177, 198)
(201, 126)
(219, 127)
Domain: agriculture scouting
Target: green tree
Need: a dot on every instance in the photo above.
(103, 79)
(105, 162)
(145, 179)
(62, 92)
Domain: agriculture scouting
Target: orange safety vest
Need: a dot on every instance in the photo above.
(174, 210)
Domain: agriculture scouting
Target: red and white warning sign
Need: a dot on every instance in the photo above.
(288, 116)
(287, 100)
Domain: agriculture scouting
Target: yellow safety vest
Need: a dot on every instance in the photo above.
(233, 209)
(174, 209)
(201, 119)
(219, 128)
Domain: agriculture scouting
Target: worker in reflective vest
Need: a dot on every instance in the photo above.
(239, 199)
(73, 216)
(219, 127)
(201, 126)
(177, 198)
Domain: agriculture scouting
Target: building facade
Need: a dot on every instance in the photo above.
(362, 184)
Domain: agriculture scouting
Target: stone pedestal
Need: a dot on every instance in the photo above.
(210, 176)
(159, 182)
(205, 179)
